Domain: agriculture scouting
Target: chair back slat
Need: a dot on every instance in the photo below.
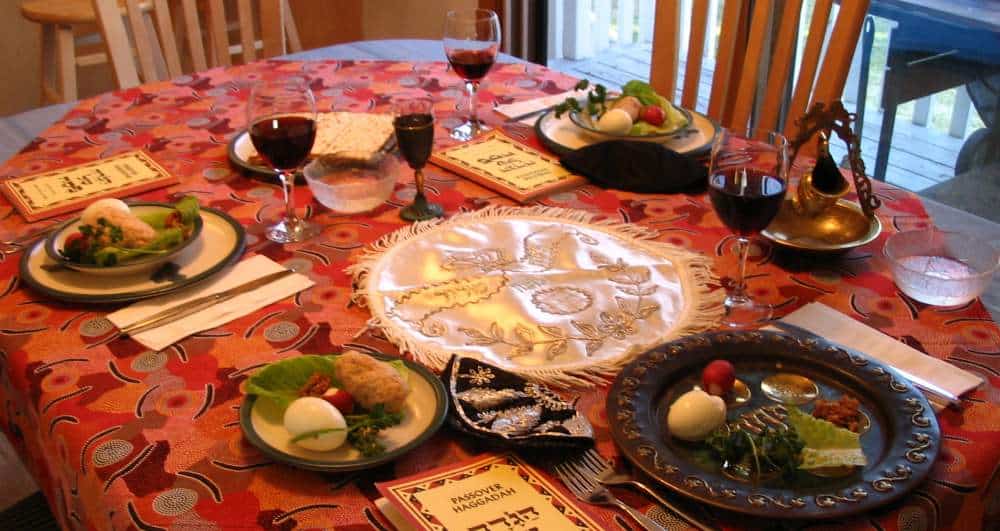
(810, 62)
(753, 58)
(840, 51)
(725, 61)
(291, 29)
(219, 33)
(195, 38)
(168, 38)
(247, 40)
(781, 66)
(666, 47)
(116, 40)
(696, 53)
(145, 42)
(273, 21)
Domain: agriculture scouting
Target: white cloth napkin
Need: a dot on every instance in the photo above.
(518, 108)
(923, 370)
(253, 268)
(392, 514)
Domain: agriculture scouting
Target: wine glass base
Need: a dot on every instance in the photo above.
(292, 230)
(421, 210)
(469, 130)
(743, 312)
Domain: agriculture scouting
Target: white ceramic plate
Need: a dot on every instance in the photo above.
(561, 135)
(57, 240)
(423, 413)
(220, 243)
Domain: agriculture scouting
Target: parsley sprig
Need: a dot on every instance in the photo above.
(362, 430)
(596, 100)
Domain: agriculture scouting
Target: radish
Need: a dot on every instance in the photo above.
(718, 378)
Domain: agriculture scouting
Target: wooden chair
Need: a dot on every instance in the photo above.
(182, 41)
(746, 73)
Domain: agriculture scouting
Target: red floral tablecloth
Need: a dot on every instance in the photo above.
(122, 437)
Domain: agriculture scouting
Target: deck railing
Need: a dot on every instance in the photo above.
(581, 29)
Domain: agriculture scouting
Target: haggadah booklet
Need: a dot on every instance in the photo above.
(504, 165)
(491, 493)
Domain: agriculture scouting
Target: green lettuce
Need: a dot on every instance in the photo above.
(826, 444)
(282, 380)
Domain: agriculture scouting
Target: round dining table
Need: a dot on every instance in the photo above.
(122, 437)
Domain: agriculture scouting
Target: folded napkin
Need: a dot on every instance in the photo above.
(925, 371)
(519, 108)
(644, 167)
(162, 337)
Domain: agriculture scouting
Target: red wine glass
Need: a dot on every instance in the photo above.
(471, 41)
(413, 121)
(748, 176)
(282, 118)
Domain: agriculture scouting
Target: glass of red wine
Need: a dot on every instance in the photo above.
(471, 41)
(413, 121)
(282, 118)
(748, 176)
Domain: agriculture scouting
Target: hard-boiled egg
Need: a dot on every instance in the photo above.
(98, 209)
(695, 414)
(312, 414)
(615, 121)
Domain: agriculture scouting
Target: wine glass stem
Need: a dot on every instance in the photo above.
(287, 184)
(743, 251)
(418, 176)
(472, 87)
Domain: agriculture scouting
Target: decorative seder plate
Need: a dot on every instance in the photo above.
(900, 445)
(561, 135)
(423, 411)
(220, 243)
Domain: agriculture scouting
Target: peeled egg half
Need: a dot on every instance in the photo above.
(310, 413)
(695, 414)
(99, 208)
(615, 121)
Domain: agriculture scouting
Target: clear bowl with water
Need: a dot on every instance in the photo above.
(941, 268)
(351, 186)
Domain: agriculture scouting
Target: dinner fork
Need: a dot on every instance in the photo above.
(593, 463)
(18, 244)
(587, 489)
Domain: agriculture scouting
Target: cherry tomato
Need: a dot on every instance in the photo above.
(653, 115)
(340, 399)
(718, 378)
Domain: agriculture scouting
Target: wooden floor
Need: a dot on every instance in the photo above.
(920, 157)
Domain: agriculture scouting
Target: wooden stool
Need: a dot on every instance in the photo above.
(59, 44)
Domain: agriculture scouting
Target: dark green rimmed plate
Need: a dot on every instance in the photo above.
(423, 413)
(901, 444)
(561, 135)
(220, 243)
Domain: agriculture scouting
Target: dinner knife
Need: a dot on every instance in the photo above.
(196, 305)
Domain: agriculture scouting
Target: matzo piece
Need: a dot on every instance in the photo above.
(352, 135)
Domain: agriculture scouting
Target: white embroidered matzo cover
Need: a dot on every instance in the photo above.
(545, 292)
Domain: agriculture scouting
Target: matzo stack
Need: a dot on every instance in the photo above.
(352, 135)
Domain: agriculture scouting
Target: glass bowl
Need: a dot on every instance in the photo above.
(941, 268)
(351, 186)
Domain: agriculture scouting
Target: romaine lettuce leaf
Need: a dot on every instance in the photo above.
(282, 380)
(827, 444)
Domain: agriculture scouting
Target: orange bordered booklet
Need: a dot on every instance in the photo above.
(55, 192)
(506, 166)
(491, 492)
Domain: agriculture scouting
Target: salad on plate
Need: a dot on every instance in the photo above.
(637, 111)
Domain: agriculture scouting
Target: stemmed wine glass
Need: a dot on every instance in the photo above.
(282, 118)
(414, 125)
(471, 41)
(748, 175)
